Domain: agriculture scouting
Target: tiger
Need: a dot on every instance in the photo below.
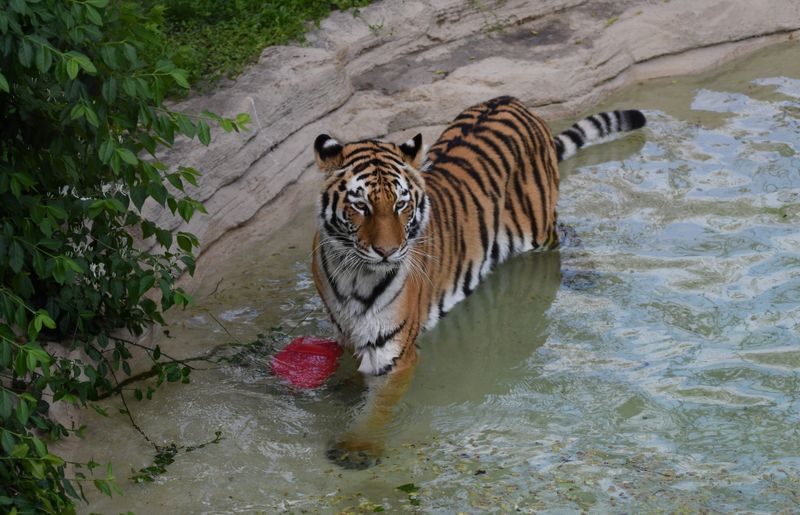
(404, 235)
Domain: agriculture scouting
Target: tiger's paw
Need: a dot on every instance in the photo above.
(354, 455)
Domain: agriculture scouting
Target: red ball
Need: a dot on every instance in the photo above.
(307, 361)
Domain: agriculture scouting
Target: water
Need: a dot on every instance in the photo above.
(654, 366)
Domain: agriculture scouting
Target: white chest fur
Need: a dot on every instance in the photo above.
(364, 306)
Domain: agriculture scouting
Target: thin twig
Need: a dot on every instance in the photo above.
(150, 349)
(293, 329)
(224, 328)
(127, 410)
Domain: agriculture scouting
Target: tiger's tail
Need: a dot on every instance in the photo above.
(595, 128)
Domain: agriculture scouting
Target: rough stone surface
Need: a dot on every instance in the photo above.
(401, 67)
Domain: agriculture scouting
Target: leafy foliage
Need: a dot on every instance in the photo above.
(165, 455)
(81, 99)
(217, 38)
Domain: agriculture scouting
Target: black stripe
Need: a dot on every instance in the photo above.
(597, 125)
(466, 166)
(331, 282)
(387, 368)
(467, 279)
(495, 247)
(519, 189)
(531, 152)
(377, 291)
(606, 118)
(576, 138)
(485, 158)
(381, 340)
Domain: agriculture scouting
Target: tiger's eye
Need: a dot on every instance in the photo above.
(400, 205)
(360, 206)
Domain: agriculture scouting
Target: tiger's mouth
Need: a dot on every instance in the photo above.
(376, 262)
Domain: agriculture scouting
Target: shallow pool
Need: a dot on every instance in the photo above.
(652, 365)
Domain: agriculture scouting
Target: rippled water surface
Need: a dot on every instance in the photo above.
(653, 365)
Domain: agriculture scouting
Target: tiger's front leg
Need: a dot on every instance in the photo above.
(362, 445)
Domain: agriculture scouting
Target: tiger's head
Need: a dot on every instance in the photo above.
(373, 204)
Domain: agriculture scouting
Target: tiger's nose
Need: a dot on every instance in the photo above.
(384, 252)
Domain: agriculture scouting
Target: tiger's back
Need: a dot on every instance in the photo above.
(492, 180)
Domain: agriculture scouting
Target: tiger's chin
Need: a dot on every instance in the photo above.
(383, 267)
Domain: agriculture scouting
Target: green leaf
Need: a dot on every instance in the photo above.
(100, 411)
(203, 133)
(4, 84)
(59, 272)
(39, 446)
(184, 242)
(20, 450)
(108, 54)
(83, 61)
(93, 15)
(7, 441)
(77, 111)
(6, 404)
(138, 194)
(18, 6)
(102, 485)
(44, 318)
(44, 59)
(54, 460)
(72, 265)
(186, 209)
(110, 90)
(96, 207)
(164, 237)
(145, 283)
(100, 4)
(106, 150)
(16, 256)
(72, 68)
(158, 192)
(180, 78)
(409, 488)
(91, 116)
(127, 156)
(57, 212)
(130, 53)
(186, 126)
(25, 53)
(23, 410)
(243, 120)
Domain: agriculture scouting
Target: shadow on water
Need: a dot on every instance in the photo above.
(468, 348)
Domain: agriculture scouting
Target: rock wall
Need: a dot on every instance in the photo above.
(399, 67)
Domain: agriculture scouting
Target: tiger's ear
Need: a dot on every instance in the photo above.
(327, 153)
(412, 151)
